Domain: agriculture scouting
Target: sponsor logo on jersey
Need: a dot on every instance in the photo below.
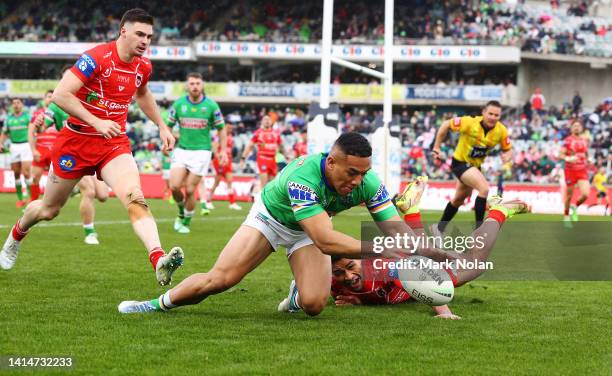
(86, 65)
(194, 123)
(67, 162)
(105, 103)
(120, 87)
(91, 96)
(380, 201)
(107, 72)
(123, 79)
(301, 196)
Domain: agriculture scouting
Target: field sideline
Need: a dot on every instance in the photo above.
(61, 299)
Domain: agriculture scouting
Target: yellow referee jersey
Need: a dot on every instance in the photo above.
(598, 181)
(474, 144)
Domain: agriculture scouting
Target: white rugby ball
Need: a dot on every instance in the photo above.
(427, 284)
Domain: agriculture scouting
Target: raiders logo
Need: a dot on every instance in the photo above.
(138, 79)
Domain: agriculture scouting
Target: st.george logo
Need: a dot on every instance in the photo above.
(67, 162)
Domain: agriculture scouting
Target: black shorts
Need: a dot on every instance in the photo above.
(459, 167)
(601, 194)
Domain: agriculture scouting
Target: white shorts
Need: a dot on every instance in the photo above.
(165, 174)
(21, 153)
(278, 235)
(195, 161)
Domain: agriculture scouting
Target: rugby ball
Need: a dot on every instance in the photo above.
(426, 283)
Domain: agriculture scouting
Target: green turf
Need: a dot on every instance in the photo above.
(61, 299)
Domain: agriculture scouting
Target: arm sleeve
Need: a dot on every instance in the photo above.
(217, 117)
(378, 200)
(304, 198)
(397, 294)
(172, 116)
(506, 144)
(87, 66)
(459, 124)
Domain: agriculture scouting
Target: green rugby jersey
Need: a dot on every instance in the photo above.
(194, 121)
(17, 127)
(301, 191)
(55, 115)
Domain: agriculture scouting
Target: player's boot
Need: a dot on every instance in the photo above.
(20, 204)
(511, 208)
(178, 223)
(408, 201)
(494, 200)
(574, 213)
(235, 206)
(567, 222)
(289, 304)
(204, 210)
(167, 265)
(132, 306)
(92, 239)
(171, 200)
(183, 229)
(9, 253)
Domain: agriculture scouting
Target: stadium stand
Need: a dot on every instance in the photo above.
(535, 26)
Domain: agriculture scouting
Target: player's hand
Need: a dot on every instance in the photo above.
(448, 316)
(107, 128)
(344, 300)
(38, 121)
(437, 255)
(167, 139)
(36, 155)
(437, 153)
(222, 157)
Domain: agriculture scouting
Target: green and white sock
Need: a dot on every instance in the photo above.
(187, 218)
(163, 302)
(89, 228)
(181, 207)
(19, 191)
(203, 205)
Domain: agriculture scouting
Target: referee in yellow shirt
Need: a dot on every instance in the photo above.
(478, 136)
(599, 181)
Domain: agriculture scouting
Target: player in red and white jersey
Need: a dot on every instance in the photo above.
(301, 146)
(575, 154)
(96, 93)
(41, 140)
(224, 171)
(268, 142)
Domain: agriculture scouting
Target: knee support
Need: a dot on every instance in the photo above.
(136, 197)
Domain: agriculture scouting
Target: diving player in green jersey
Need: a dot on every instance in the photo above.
(295, 212)
(194, 114)
(16, 129)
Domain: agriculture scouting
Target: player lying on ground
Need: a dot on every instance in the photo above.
(97, 92)
(357, 281)
(294, 211)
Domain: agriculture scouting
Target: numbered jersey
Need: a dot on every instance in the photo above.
(475, 141)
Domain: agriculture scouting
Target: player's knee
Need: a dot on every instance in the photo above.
(483, 191)
(102, 197)
(313, 306)
(47, 213)
(136, 203)
(219, 281)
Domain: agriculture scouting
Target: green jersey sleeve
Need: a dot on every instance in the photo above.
(217, 117)
(378, 201)
(172, 114)
(304, 198)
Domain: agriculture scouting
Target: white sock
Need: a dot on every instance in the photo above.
(164, 301)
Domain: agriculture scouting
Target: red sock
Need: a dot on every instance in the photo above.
(18, 233)
(497, 215)
(414, 221)
(566, 212)
(154, 255)
(34, 192)
(232, 199)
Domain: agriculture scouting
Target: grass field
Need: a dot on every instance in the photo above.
(61, 299)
